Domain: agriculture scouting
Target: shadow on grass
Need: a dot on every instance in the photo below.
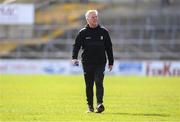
(141, 114)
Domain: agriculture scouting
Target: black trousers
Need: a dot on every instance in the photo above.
(94, 73)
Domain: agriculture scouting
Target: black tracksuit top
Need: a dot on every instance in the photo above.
(96, 44)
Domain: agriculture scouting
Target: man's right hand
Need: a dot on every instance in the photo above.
(75, 62)
(110, 67)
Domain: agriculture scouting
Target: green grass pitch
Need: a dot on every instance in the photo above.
(62, 98)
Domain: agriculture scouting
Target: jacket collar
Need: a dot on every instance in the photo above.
(87, 26)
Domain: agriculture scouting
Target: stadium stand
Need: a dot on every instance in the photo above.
(146, 33)
(64, 15)
(140, 29)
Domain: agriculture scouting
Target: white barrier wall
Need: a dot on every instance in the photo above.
(165, 68)
(140, 68)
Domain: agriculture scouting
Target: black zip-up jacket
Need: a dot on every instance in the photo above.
(95, 43)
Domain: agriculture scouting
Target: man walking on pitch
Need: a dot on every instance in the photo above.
(96, 44)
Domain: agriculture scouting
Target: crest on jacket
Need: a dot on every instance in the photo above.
(101, 37)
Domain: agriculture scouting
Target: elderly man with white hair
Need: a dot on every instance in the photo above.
(97, 48)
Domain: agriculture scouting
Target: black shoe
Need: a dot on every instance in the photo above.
(90, 109)
(100, 108)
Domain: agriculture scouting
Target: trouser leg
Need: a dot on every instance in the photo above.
(99, 77)
(89, 81)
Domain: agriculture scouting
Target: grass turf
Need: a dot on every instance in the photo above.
(62, 98)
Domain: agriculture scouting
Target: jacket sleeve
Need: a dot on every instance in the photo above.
(76, 46)
(109, 50)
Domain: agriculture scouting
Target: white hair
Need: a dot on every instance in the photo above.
(90, 11)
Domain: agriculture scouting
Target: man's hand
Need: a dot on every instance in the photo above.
(110, 67)
(75, 62)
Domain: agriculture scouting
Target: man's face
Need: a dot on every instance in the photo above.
(92, 19)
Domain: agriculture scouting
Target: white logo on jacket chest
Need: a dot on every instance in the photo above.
(88, 37)
(101, 37)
